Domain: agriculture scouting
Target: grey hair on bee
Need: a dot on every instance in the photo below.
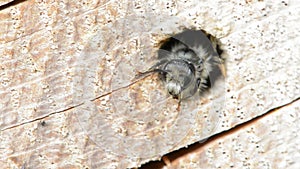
(187, 63)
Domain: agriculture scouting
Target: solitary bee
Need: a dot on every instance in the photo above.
(187, 63)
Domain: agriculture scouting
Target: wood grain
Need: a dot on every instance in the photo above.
(69, 97)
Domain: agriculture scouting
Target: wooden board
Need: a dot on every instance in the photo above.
(69, 98)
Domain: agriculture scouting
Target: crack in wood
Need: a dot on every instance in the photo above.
(168, 158)
(138, 78)
(10, 4)
(41, 117)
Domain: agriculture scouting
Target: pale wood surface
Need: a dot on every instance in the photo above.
(57, 57)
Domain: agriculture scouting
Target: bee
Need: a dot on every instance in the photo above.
(187, 63)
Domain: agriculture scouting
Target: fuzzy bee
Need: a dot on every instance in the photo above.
(187, 63)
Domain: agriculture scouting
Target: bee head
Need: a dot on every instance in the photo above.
(178, 75)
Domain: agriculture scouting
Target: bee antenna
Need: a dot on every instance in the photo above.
(143, 74)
